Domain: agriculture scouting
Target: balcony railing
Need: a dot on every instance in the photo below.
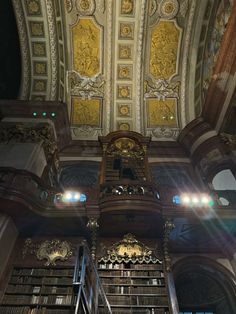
(27, 188)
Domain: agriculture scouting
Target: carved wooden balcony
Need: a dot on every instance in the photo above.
(126, 195)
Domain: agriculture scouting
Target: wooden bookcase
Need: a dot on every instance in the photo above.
(44, 290)
(134, 288)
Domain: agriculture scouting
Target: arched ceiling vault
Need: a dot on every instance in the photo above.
(118, 64)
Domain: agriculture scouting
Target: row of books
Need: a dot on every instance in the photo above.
(43, 271)
(41, 281)
(130, 266)
(135, 311)
(133, 281)
(137, 300)
(134, 290)
(37, 299)
(28, 310)
(38, 289)
(15, 310)
(130, 273)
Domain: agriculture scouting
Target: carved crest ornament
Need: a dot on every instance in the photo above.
(126, 147)
(50, 250)
(129, 250)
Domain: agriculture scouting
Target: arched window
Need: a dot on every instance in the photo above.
(224, 180)
(224, 183)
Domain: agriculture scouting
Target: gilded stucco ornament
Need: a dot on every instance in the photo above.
(54, 250)
(165, 40)
(129, 250)
(50, 250)
(86, 45)
(152, 7)
(124, 92)
(125, 147)
(109, 73)
(138, 67)
(24, 92)
(168, 9)
(33, 7)
(183, 8)
(161, 113)
(86, 132)
(53, 40)
(127, 7)
(86, 112)
(85, 7)
(101, 6)
(86, 87)
(161, 89)
(68, 5)
(164, 133)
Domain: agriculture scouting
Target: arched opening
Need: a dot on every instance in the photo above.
(224, 180)
(224, 183)
(203, 286)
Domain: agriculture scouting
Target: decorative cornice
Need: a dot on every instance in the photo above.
(53, 49)
(21, 133)
(25, 54)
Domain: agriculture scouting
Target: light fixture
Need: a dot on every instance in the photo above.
(70, 197)
(67, 196)
(196, 200)
(185, 199)
(77, 196)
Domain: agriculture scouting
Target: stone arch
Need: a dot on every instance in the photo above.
(203, 283)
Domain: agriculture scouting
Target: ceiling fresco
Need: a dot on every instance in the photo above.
(118, 64)
(216, 33)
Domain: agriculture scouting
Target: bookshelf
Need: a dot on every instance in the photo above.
(135, 288)
(39, 291)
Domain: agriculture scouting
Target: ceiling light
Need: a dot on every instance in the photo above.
(67, 196)
(195, 200)
(185, 199)
(76, 196)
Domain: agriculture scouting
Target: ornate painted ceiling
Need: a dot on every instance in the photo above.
(139, 65)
